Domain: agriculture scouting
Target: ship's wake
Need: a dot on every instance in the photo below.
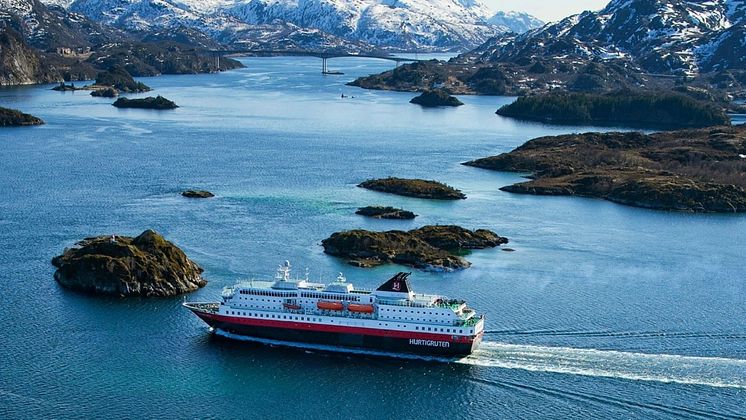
(708, 371)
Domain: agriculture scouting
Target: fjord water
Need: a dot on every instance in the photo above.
(603, 310)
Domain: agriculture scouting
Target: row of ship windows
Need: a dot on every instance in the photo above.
(267, 293)
(297, 318)
(312, 319)
(406, 311)
(328, 296)
(404, 318)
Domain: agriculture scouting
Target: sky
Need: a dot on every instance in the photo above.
(547, 10)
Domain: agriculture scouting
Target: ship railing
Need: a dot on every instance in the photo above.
(203, 306)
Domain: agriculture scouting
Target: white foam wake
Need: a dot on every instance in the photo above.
(710, 371)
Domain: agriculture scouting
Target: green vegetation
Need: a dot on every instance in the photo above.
(118, 78)
(159, 102)
(13, 118)
(653, 109)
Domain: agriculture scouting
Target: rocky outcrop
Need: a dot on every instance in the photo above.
(430, 247)
(15, 118)
(159, 102)
(436, 98)
(689, 170)
(197, 194)
(418, 188)
(147, 265)
(379, 212)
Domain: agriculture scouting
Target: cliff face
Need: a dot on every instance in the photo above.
(19, 64)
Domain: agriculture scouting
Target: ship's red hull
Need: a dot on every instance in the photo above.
(344, 336)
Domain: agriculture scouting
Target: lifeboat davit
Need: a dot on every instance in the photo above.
(356, 307)
(329, 306)
(291, 306)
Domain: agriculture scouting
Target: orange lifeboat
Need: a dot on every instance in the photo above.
(356, 307)
(291, 306)
(329, 306)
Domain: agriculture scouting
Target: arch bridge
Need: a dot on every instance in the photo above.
(323, 55)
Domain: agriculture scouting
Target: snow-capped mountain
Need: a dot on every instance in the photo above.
(400, 24)
(662, 36)
(517, 22)
(49, 27)
(409, 24)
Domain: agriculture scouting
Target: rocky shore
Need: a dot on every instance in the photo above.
(429, 247)
(14, 118)
(159, 102)
(697, 170)
(418, 188)
(147, 265)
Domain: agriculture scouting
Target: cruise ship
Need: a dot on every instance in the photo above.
(392, 318)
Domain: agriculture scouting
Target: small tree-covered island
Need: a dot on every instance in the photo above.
(635, 108)
(159, 102)
(418, 188)
(436, 98)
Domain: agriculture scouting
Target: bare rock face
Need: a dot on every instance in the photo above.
(147, 265)
(429, 247)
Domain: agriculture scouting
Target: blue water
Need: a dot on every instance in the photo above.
(603, 310)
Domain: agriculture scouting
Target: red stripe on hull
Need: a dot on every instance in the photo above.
(304, 326)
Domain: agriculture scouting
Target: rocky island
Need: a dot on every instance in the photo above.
(120, 79)
(643, 109)
(418, 188)
(197, 194)
(14, 118)
(147, 265)
(429, 247)
(436, 98)
(159, 102)
(380, 212)
(698, 170)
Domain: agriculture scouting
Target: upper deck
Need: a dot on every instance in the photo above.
(394, 300)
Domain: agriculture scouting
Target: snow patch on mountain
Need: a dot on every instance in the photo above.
(400, 24)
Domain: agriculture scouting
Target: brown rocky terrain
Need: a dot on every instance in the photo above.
(418, 188)
(702, 170)
(147, 265)
(379, 212)
(429, 247)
